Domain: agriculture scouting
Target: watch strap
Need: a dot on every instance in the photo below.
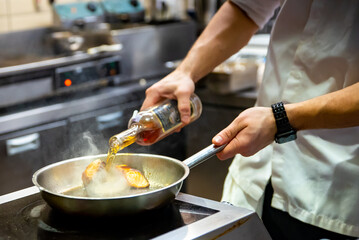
(284, 129)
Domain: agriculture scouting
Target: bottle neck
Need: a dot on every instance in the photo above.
(124, 139)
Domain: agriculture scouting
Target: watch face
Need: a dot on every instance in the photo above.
(284, 139)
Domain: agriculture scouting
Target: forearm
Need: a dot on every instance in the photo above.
(255, 127)
(228, 31)
(338, 109)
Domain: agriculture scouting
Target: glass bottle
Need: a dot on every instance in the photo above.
(149, 126)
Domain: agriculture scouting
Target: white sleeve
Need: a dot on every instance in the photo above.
(260, 11)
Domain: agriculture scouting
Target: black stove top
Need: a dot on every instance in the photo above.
(31, 218)
(25, 215)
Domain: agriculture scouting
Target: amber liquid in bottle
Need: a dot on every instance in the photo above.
(119, 142)
(150, 126)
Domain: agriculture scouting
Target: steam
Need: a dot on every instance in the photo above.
(92, 150)
(107, 184)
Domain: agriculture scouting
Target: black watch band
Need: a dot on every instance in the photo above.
(285, 132)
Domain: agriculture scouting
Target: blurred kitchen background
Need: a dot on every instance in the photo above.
(72, 72)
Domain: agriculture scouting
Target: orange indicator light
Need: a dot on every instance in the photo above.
(113, 72)
(68, 82)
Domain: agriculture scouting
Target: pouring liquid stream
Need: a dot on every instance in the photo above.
(119, 142)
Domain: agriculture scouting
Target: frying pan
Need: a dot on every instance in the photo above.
(166, 173)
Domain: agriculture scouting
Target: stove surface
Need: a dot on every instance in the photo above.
(32, 218)
(25, 215)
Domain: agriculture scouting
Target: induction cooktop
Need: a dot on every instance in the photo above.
(25, 215)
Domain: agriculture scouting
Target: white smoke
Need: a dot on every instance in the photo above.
(92, 150)
(109, 183)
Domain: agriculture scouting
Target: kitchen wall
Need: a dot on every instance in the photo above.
(25, 14)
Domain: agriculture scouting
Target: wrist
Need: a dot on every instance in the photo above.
(186, 70)
(285, 131)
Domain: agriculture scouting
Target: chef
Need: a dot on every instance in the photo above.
(297, 151)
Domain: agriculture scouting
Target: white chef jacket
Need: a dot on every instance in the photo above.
(314, 50)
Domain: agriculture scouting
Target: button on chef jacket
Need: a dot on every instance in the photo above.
(314, 50)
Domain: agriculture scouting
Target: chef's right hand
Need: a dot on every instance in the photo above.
(252, 130)
(177, 85)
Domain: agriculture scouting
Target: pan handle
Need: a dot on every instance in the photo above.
(203, 155)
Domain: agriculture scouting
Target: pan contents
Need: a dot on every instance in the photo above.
(91, 170)
(134, 177)
(98, 181)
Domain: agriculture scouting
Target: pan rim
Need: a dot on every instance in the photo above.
(43, 169)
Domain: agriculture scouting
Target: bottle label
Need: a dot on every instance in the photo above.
(168, 114)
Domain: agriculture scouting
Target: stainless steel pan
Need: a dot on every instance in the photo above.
(164, 173)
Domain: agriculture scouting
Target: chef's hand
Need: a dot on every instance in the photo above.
(252, 130)
(176, 85)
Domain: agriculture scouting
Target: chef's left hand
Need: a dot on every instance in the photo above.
(252, 130)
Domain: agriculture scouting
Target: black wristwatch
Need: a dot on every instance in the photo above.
(285, 132)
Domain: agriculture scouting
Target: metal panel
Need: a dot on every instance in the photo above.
(16, 93)
(24, 152)
(103, 98)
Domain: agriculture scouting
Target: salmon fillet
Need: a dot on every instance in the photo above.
(91, 170)
(134, 177)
